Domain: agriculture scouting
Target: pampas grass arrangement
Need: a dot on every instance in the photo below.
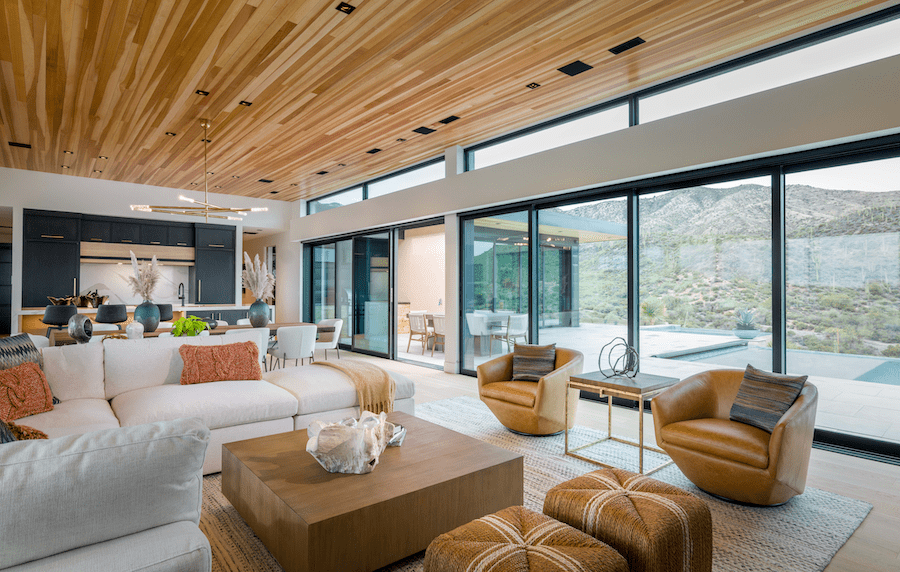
(145, 277)
(257, 279)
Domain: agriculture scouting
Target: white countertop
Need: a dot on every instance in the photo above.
(130, 308)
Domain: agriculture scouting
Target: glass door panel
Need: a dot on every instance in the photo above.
(344, 286)
(371, 293)
(495, 283)
(584, 276)
(323, 282)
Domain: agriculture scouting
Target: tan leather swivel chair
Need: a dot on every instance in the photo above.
(532, 408)
(731, 459)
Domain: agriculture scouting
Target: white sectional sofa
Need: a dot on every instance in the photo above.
(132, 382)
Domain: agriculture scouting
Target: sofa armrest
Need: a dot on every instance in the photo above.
(498, 369)
(690, 398)
(65, 493)
(791, 440)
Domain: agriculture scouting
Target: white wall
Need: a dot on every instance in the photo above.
(22, 189)
(287, 266)
(420, 269)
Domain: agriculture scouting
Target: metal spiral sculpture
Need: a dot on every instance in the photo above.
(625, 365)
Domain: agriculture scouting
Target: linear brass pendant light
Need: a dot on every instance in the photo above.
(204, 209)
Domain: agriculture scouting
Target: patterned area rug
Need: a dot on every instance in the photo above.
(800, 536)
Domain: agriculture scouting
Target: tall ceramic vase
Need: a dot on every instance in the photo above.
(147, 313)
(259, 314)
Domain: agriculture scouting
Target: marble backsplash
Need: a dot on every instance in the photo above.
(111, 280)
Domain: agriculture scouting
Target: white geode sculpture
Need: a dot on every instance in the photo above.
(352, 446)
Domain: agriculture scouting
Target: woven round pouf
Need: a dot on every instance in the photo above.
(520, 540)
(657, 527)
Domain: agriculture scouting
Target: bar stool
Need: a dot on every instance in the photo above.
(111, 314)
(57, 317)
(165, 312)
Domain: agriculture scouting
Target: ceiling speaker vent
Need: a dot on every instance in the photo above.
(201, 92)
(373, 151)
(533, 85)
(424, 130)
(322, 173)
(266, 181)
(22, 145)
(627, 45)
(575, 68)
(345, 8)
(447, 120)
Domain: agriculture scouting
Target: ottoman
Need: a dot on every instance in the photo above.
(519, 540)
(657, 527)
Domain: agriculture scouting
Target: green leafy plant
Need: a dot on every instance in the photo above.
(188, 326)
(746, 320)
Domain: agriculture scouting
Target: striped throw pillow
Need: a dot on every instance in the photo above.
(764, 397)
(531, 363)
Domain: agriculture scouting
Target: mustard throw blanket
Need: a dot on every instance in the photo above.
(374, 386)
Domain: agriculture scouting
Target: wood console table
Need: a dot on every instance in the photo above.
(61, 337)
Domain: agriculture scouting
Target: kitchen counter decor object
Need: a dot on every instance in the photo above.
(142, 284)
(134, 331)
(257, 279)
(80, 328)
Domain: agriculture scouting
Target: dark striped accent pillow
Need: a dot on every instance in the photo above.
(531, 363)
(764, 397)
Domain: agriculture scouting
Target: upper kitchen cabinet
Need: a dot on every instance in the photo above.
(181, 235)
(46, 225)
(95, 230)
(155, 234)
(125, 232)
(215, 237)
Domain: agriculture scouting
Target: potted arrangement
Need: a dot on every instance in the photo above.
(142, 284)
(261, 284)
(188, 326)
(745, 326)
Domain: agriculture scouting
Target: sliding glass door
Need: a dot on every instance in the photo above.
(372, 293)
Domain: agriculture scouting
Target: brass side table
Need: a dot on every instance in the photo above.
(639, 388)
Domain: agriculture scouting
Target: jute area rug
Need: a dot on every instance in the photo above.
(802, 535)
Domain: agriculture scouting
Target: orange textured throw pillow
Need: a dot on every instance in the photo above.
(203, 364)
(24, 391)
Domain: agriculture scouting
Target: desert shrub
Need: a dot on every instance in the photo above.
(837, 301)
(891, 351)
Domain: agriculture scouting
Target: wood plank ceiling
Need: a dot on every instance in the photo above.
(107, 79)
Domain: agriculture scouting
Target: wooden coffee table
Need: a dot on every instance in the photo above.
(313, 520)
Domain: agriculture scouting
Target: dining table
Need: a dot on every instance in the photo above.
(62, 337)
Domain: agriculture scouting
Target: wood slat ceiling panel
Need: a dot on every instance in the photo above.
(111, 77)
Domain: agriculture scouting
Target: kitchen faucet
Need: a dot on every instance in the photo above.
(181, 292)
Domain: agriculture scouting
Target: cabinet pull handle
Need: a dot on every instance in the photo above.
(181, 244)
(153, 242)
(199, 288)
(97, 239)
(212, 245)
(52, 236)
(74, 286)
(125, 240)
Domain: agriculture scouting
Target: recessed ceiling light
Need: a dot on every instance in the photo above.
(533, 85)
(69, 152)
(274, 192)
(342, 165)
(627, 45)
(97, 171)
(447, 120)
(246, 103)
(102, 157)
(235, 176)
(206, 140)
(210, 173)
(575, 68)
(424, 130)
(193, 183)
(401, 140)
(218, 186)
(373, 151)
(64, 166)
(292, 184)
(345, 8)
(170, 134)
(22, 145)
(265, 180)
(322, 173)
(201, 92)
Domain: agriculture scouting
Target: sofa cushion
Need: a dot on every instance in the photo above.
(16, 350)
(764, 397)
(80, 490)
(522, 393)
(220, 404)
(721, 438)
(24, 391)
(135, 364)
(531, 363)
(204, 364)
(75, 371)
(74, 417)
(324, 389)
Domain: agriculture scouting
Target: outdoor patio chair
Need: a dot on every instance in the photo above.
(438, 333)
(418, 330)
(516, 327)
